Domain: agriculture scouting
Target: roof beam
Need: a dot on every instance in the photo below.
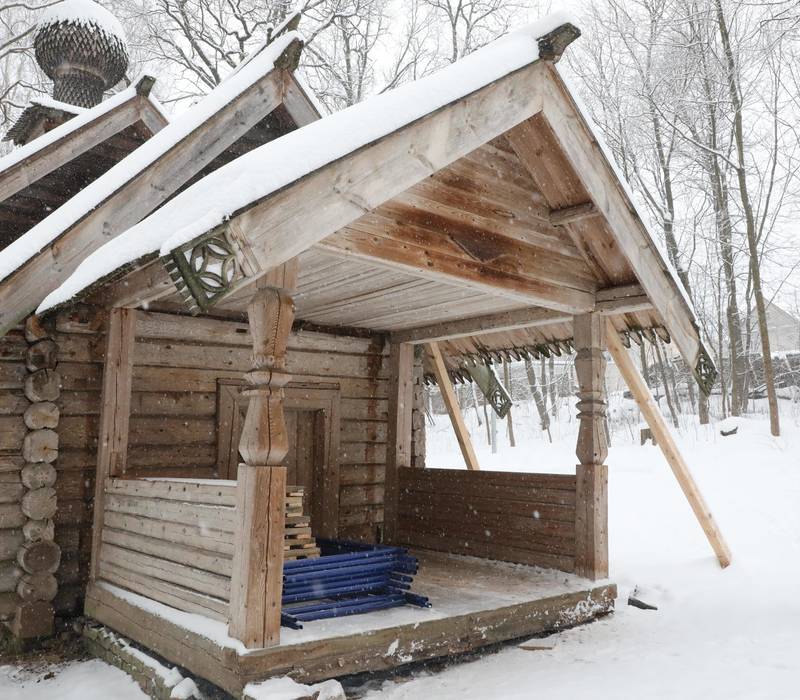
(610, 302)
(461, 269)
(569, 215)
(334, 196)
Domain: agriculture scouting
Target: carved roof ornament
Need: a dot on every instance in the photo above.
(81, 47)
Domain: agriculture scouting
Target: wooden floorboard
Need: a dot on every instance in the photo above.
(475, 603)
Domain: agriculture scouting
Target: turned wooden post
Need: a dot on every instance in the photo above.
(261, 489)
(591, 509)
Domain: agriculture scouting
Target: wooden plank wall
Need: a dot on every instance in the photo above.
(12, 431)
(171, 541)
(174, 402)
(521, 518)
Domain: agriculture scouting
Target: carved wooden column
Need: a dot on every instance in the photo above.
(261, 489)
(591, 510)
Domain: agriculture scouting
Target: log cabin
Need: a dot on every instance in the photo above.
(214, 355)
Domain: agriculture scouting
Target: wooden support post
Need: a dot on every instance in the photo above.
(115, 410)
(401, 399)
(663, 438)
(451, 403)
(591, 508)
(257, 577)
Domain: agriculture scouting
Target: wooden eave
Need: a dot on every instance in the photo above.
(500, 202)
(35, 120)
(244, 117)
(138, 110)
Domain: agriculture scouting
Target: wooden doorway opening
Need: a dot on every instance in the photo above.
(312, 421)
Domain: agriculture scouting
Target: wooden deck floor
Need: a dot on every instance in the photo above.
(474, 603)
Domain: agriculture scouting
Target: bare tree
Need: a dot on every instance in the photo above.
(470, 24)
(752, 228)
(19, 77)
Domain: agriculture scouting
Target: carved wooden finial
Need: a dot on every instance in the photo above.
(553, 44)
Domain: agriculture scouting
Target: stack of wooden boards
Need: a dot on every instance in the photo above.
(349, 578)
(298, 541)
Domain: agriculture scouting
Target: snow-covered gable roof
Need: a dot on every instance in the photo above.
(68, 218)
(74, 147)
(81, 119)
(280, 165)
(267, 169)
(40, 109)
(72, 211)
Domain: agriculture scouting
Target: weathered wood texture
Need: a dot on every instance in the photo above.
(399, 448)
(177, 364)
(29, 557)
(173, 540)
(170, 541)
(591, 514)
(355, 653)
(522, 518)
(13, 405)
(257, 576)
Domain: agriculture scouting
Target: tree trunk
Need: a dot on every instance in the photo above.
(509, 418)
(475, 403)
(543, 381)
(665, 383)
(544, 418)
(747, 208)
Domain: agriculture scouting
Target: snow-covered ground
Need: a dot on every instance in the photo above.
(83, 680)
(717, 634)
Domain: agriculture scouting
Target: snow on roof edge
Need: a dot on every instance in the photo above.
(68, 214)
(254, 175)
(82, 117)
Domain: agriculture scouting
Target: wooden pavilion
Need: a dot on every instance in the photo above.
(272, 323)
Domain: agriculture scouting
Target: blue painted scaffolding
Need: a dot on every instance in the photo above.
(347, 579)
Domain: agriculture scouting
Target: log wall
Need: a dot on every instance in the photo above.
(177, 363)
(521, 518)
(12, 432)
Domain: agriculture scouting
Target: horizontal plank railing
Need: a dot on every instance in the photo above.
(172, 540)
(508, 516)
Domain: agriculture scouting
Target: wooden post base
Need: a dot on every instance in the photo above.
(258, 556)
(591, 521)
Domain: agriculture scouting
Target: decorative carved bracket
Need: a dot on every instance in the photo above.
(205, 269)
(491, 387)
(705, 372)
